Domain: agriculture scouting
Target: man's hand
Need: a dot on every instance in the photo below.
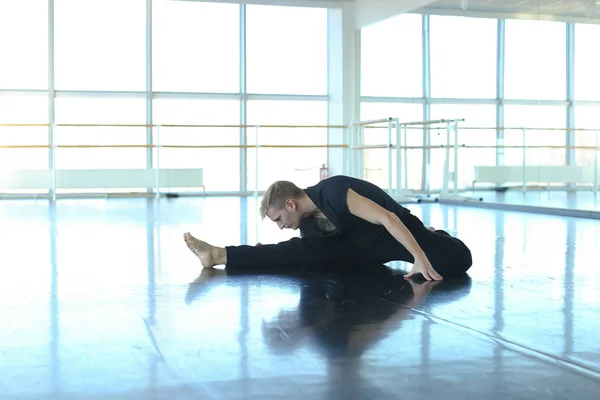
(424, 267)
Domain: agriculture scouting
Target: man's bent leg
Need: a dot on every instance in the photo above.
(295, 252)
(448, 255)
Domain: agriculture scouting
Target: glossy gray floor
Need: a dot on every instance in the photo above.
(557, 202)
(581, 200)
(101, 299)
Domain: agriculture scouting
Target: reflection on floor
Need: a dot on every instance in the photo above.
(101, 299)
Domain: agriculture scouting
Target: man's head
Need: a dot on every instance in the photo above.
(282, 204)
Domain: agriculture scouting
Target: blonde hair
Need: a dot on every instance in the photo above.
(276, 195)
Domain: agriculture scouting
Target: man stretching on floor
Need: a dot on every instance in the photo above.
(342, 220)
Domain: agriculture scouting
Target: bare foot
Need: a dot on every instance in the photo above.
(209, 255)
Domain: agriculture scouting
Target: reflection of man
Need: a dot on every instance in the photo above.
(340, 308)
(341, 322)
(343, 219)
(343, 312)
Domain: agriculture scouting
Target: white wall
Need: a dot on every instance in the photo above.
(368, 12)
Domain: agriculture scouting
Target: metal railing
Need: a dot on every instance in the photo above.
(455, 156)
(161, 142)
(396, 143)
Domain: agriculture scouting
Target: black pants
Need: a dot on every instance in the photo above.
(448, 255)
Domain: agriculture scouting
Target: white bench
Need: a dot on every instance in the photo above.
(100, 179)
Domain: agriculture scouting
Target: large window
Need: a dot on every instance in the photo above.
(478, 116)
(392, 57)
(535, 60)
(23, 44)
(220, 165)
(587, 117)
(286, 50)
(195, 46)
(405, 112)
(299, 165)
(100, 44)
(113, 111)
(23, 110)
(463, 57)
(587, 62)
(517, 117)
(376, 164)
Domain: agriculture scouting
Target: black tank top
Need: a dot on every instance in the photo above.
(330, 196)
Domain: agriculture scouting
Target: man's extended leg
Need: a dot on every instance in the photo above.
(290, 253)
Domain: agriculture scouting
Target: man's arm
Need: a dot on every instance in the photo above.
(370, 211)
